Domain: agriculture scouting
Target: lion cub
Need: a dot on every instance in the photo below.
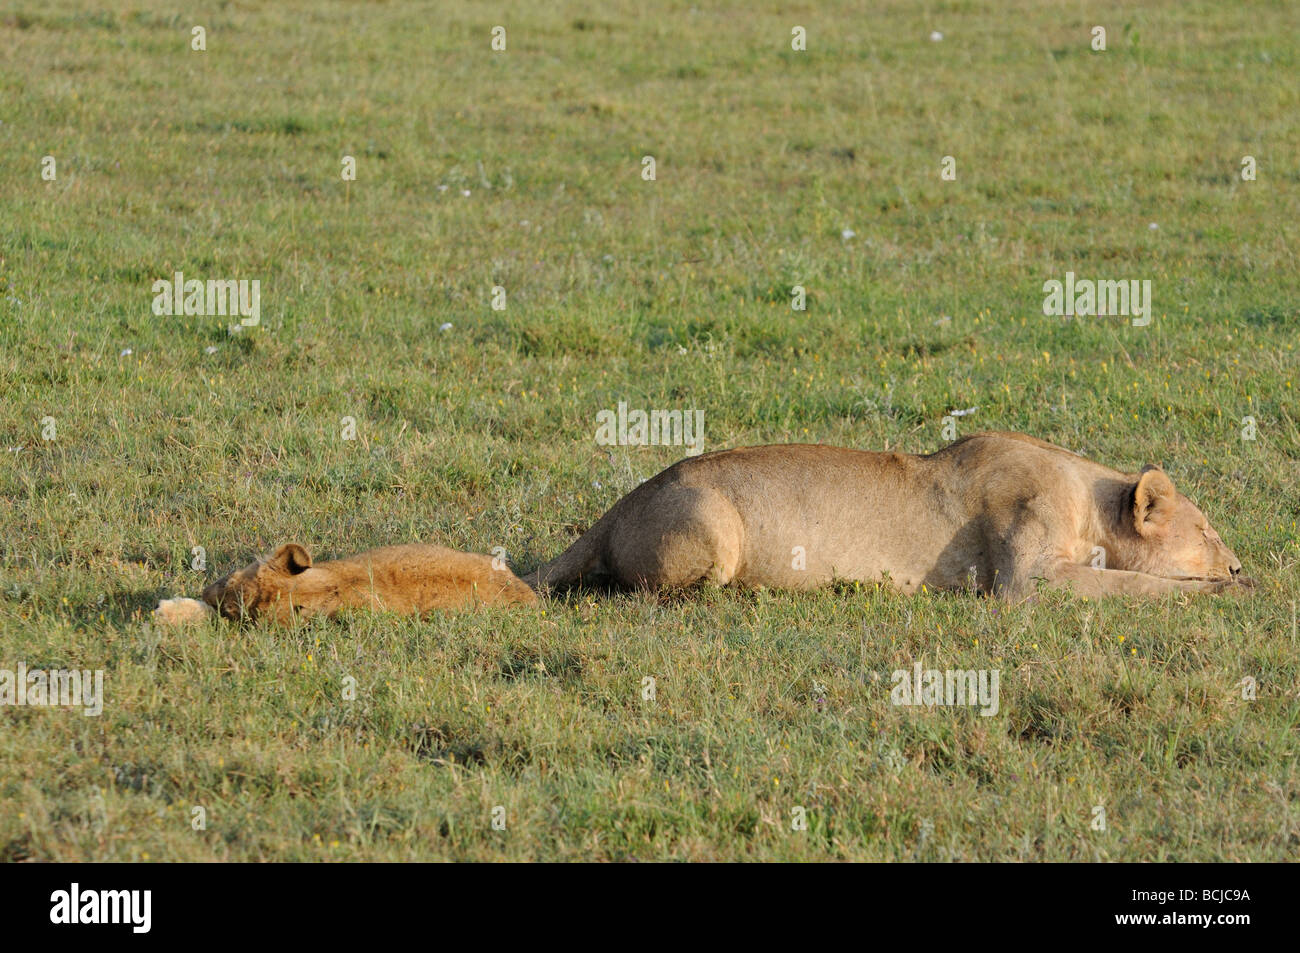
(409, 579)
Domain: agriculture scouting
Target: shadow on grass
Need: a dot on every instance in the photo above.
(121, 608)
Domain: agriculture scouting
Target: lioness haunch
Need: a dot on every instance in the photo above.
(998, 512)
(407, 579)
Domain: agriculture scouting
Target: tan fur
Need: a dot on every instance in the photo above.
(995, 512)
(182, 611)
(408, 580)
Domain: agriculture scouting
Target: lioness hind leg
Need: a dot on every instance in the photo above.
(679, 537)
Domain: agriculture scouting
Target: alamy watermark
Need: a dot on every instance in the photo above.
(216, 296)
(948, 687)
(129, 907)
(57, 688)
(1098, 298)
(658, 428)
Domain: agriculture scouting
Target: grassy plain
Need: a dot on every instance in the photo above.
(522, 169)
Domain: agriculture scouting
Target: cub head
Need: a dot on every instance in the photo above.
(259, 584)
(1173, 537)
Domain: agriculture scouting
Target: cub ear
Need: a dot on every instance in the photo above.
(1154, 500)
(290, 559)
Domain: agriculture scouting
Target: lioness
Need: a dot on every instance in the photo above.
(996, 512)
(406, 579)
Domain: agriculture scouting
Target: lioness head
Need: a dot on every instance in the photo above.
(1173, 537)
(259, 584)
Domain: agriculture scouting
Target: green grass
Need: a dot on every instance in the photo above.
(666, 294)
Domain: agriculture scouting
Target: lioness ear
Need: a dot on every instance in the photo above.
(1154, 499)
(290, 558)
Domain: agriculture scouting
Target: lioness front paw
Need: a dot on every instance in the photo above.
(181, 611)
(1237, 586)
(1241, 586)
